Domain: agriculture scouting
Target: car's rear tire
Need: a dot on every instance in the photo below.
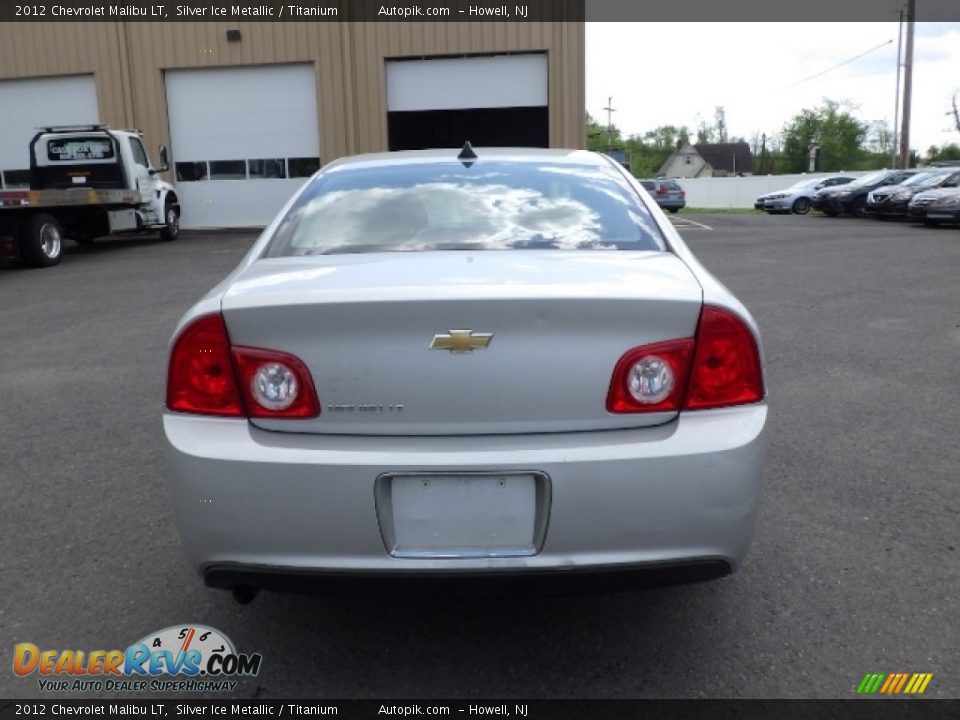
(41, 241)
(171, 218)
(673, 211)
(801, 206)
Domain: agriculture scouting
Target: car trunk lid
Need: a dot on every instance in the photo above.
(455, 343)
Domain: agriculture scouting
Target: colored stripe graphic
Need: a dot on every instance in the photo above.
(891, 679)
(870, 683)
(894, 684)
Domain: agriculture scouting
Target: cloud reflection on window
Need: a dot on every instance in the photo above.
(437, 216)
(493, 205)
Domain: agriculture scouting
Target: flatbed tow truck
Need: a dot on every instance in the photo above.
(86, 181)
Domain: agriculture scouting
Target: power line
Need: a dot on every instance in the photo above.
(848, 60)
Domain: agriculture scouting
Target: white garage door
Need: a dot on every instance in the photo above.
(242, 141)
(473, 82)
(499, 100)
(29, 104)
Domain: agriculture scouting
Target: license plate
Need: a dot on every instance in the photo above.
(468, 515)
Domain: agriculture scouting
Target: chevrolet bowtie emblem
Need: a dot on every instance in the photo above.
(461, 341)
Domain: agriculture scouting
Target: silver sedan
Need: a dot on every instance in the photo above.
(797, 198)
(493, 365)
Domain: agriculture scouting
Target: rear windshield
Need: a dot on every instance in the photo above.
(446, 206)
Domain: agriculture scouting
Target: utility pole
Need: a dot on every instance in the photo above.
(907, 86)
(894, 147)
(610, 110)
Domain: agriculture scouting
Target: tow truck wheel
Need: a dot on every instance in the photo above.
(41, 241)
(171, 219)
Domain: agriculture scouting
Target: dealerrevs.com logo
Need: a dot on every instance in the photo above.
(180, 658)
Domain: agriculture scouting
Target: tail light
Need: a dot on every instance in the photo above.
(662, 190)
(718, 368)
(651, 378)
(726, 364)
(207, 376)
(275, 384)
(200, 377)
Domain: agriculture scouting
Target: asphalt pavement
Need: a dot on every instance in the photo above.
(855, 566)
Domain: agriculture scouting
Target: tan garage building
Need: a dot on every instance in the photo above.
(250, 108)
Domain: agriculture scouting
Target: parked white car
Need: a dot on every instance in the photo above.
(796, 198)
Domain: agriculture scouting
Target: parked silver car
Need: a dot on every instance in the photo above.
(437, 366)
(797, 197)
(668, 194)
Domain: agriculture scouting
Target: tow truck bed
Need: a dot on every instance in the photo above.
(36, 199)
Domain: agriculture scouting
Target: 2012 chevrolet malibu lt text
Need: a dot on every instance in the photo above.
(500, 364)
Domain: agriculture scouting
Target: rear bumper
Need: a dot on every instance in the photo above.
(431, 584)
(668, 203)
(274, 509)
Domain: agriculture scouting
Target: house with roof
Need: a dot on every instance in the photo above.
(708, 160)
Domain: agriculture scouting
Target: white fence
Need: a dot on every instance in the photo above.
(740, 192)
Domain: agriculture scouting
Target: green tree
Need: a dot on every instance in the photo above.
(950, 151)
(600, 137)
(666, 137)
(704, 132)
(880, 138)
(645, 158)
(838, 134)
(647, 152)
(717, 132)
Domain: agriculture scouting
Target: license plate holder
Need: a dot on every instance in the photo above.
(463, 514)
